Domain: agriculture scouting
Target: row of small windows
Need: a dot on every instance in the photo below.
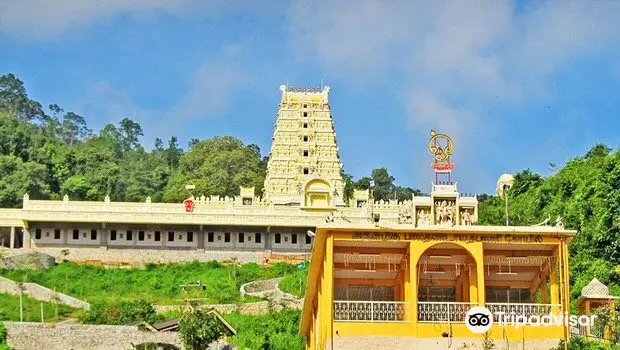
(76, 234)
(241, 237)
(156, 236)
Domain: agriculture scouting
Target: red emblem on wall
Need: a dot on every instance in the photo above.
(189, 205)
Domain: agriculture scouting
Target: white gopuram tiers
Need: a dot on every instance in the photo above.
(304, 168)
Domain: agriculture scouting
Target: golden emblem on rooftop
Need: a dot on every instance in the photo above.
(441, 146)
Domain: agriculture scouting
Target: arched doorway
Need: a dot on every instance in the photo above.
(447, 283)
(317, 194)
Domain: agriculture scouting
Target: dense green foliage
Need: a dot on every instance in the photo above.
(295, 283)
(159, 284)
(198, 329)
(120, 313)
(273, 331)
(578, 343)
(384, 187)
(586, 193)
(9, 310)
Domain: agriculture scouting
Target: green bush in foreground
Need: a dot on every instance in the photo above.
(198, 329)
(579, 343)
(274, 331)
(120, 313)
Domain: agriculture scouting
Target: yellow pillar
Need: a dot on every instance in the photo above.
(554, 287)
(588, 330)
(473, 285)
(411, 292)
(328, 283)
(476, 278)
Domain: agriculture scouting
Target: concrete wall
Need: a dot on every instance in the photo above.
(117, 236)
(410, 343)
(144, 255)
(26, 336)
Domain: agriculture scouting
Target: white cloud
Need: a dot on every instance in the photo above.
(44, 19)
(213, 83)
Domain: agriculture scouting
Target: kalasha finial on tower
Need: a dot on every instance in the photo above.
(441, 146)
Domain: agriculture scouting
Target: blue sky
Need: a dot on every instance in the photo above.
(517, 84)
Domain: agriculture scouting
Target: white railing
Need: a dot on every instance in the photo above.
(370, 311)
(443, 312)
(518, 309)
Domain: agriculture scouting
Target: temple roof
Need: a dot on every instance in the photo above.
(595, 289)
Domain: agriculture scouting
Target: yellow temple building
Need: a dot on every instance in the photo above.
(414, 285)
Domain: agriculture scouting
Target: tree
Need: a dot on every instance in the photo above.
(173, 153)
(129, 133)
(217, 166)
(15, 101)
(18, 178)
(73, 128)
(198, 329)
(384, 183)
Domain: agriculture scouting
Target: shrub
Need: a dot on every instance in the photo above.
(198, 329)
(120, 313)
(2, 333)
(579, 343)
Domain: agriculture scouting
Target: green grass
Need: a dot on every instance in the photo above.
(275, 331)
(9, 310)
(295, 282)
(158, 284)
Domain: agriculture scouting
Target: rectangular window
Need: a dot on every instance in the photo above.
(257, 238)
(241, 237)
(305, 153)
(113, 235)
(210, 237)
(93, 235)
(157, 236)
(76, 234)
(305, 138)
(226, 237)
(130, 235)
(190, 236)
(294, 238)
(140, 235)
(57, 234)
(278, 238)
(37, 233)
(306, 171)
(305, 125)
(170, 236)
(308, 239)
(305, 114)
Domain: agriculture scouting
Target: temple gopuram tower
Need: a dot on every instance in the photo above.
(304, 167)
